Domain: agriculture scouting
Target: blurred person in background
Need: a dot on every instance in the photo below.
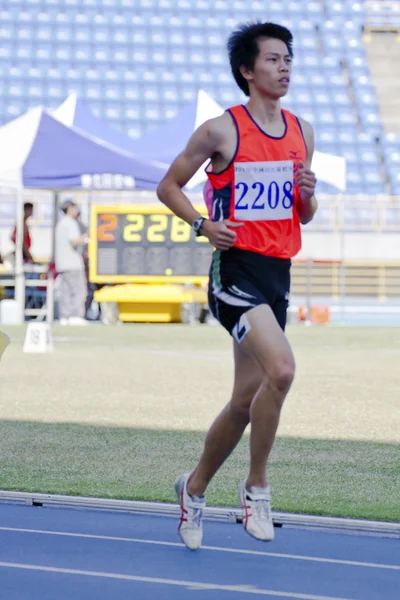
(90, 287)
(27, 241)
(70, 265)
(83, 229)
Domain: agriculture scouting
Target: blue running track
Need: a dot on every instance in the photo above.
(70, 554)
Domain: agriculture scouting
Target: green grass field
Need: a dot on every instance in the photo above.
(120, 411)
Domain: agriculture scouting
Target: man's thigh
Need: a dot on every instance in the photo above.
(66, 283)
(77, 283)
(264, 342)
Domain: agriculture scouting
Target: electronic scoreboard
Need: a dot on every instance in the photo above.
(139, 243)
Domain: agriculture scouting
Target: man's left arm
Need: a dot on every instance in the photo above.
(305, 178)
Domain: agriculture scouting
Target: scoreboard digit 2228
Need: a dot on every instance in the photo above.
(131, 244)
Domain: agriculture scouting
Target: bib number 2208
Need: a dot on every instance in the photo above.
(264, 191)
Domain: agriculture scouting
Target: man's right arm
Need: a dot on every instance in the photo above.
(75, 237)
(82, 240)
(204, 143)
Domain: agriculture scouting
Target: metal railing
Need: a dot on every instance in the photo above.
(32, 279)
(375, 281)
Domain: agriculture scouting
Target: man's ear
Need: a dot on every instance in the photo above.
(246, 73)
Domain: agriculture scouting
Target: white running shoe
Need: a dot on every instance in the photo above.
(257, 516)
(192, 509)
(77, 321)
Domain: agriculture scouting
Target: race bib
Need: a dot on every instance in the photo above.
(264, 191)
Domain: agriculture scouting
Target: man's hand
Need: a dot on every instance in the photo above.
(82, 240)
(219, 234)
(306, 182)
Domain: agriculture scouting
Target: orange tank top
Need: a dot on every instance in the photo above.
(257, 187)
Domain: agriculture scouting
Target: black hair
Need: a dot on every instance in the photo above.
(28, 205)
(243, 47)
(65, 206)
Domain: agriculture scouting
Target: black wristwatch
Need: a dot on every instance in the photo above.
(198, 224)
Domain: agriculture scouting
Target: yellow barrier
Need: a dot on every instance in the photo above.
(147, 303)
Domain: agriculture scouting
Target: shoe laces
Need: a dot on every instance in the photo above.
(196, 517)
(262, 509)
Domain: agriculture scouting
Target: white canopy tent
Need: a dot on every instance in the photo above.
(37, 151)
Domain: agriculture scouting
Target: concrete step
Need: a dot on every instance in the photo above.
(391, 126)
(383, 57)
(391, 107)
(393, 119)
(388, 70)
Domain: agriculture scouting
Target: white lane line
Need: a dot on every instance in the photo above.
(334, 561)
(192, 585)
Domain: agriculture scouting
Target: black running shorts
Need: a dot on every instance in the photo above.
(241, 280)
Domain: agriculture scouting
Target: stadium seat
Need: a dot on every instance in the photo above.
(336, 80)
(315, 11)
(392, 157)
(351, 156)
(333, 46)
(346, 116)
(369, 157)
(354, 47)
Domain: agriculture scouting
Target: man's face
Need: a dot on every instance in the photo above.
(272, 69)
(73, 211)
(28, 212)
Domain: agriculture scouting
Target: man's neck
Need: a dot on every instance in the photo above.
(265, 110)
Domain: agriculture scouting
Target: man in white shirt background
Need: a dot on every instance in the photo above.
(69, 263)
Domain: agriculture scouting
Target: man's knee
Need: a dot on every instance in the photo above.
(280, 375)
(285, 375)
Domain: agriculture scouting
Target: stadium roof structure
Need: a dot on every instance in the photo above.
(38, 151)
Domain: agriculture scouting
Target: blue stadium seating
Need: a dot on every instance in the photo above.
(136, 62)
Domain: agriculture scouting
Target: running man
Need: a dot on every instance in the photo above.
(263, 189)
